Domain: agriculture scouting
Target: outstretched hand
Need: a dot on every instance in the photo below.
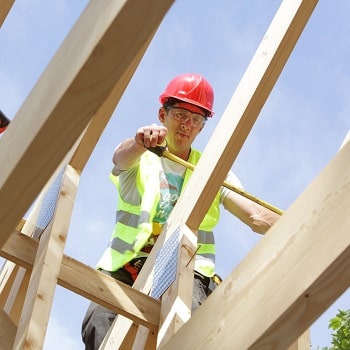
(151, 135)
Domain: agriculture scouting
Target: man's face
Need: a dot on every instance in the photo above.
(184, 122)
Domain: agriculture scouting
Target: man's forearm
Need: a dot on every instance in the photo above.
(127, 154)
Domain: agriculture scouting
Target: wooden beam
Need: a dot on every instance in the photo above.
(43, 280)
(121, 335)
(60, 106)
(106, 291)
(14, 279)
(177, 299)
(15, 301)
(7, 331)
(144, 339)
(20, 249)
(7, 279)
(302, 343)
(103, 114)
(89, 283)
(5, 7)
(244, 108)
(299, 268)
(346, 140)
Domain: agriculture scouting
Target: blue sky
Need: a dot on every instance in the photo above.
(299, 130)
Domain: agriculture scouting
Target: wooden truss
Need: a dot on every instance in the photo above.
(284, 299)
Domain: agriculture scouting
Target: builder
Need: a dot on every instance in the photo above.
(148, 189)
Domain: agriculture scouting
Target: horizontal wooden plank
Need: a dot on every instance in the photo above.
(89, 283)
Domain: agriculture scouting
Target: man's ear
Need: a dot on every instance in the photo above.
(161, 114)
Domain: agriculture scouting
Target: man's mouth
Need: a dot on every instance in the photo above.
(182, 134)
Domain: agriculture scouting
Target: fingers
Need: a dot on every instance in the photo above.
(151, 136)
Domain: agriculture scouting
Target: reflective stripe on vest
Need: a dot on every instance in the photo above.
(205, 256)
(134, 223)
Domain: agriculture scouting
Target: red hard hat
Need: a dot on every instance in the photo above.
(191, 88)
(4, 122)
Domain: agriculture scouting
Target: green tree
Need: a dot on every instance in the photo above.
(340, 325)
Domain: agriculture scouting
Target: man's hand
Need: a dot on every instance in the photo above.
(128, 153)
(151, 136)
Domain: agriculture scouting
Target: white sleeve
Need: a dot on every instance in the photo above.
(232, 179)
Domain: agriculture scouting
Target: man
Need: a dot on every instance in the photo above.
(148, 188)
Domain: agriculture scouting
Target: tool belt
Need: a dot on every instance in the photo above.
(134, 267)
(157, 228)
(217, 279)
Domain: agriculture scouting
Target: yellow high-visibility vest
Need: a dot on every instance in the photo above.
(134, 223)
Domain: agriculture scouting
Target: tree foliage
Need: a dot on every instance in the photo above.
(340, 325)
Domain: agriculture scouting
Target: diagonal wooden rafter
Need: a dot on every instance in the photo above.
(5, 7)
(241, 114)
(93, 62)
(295, 273)
(101, 63)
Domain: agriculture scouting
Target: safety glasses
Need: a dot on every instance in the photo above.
(183, 115)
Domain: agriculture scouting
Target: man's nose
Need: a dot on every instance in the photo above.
(188, 122)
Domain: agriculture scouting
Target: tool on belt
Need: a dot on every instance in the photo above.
(134, 267)
(161, 151)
